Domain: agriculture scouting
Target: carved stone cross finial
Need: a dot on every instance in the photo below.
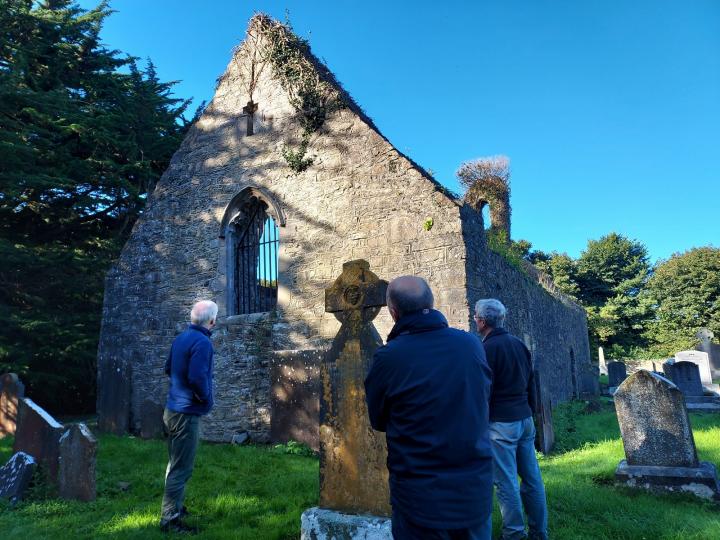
(249, 110)
(353, 474)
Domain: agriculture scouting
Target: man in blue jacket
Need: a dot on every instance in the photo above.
(428, 390)
(190, 368)
(512, 431)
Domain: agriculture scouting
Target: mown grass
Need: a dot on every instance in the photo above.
(259, 493)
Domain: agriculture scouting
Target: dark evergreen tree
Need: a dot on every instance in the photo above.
(82, 142)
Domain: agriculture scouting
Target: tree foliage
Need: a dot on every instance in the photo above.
(84, 135)
(685, 294)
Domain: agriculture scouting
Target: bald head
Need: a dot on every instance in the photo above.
(407, 294)
(204, 313)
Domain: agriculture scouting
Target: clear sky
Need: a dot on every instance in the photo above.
(608, 109)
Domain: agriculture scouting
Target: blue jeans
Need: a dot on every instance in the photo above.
(402, 529)
(514, 454)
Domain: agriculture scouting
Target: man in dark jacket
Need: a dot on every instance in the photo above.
(190, 368)
(428, 390)
(512, 431)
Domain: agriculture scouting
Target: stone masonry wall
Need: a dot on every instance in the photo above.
(360, 199)
(553, 327)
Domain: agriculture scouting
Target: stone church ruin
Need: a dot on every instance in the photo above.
(281, 181)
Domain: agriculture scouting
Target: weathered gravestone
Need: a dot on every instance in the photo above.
(38, 434)
(11, 390)
(702, 360)
(113, 404)
(705, 344)
(589, 382)
(601, 361)
(617, 373)
(686, 376)
(15, 476)
(151, 420)
(544, 432)
(353, 472)
(658, 440)
(78, 450)
(295, 397)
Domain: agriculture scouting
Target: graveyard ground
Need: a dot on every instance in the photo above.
(259, 492)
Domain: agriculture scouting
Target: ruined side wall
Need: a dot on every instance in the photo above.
(550, 325)
(360, 199)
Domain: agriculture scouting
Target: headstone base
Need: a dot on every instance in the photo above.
(703, 403)
(322, 524)
(700, 481)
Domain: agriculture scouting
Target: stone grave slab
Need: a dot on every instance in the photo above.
(602, 366)
(657, 438)
(295, 397)
(11, 390)
(700, 358)
(15, 476)
(353, 471)
(544, 432)
(686, 376)
(151, 420)
(38, 434)
(705, 344)
(78, 451)
(113, 404)
(617, 372)
(589, 382)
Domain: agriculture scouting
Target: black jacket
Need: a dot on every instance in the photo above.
(513, 387)
(428, 389)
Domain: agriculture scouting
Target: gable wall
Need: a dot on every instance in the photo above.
(361, 199)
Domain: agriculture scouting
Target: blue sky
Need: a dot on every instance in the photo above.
(608, 109)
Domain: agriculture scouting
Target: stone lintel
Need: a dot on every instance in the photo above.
(322, 524)
(701, 481)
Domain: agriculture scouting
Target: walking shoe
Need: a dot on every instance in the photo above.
(178, 526)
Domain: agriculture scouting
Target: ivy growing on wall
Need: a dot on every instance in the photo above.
(313, 97)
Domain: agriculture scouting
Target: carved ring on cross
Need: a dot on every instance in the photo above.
(357, 294)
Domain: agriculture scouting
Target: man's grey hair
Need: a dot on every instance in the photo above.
(203, 312)
(410, 293)
(491, 311)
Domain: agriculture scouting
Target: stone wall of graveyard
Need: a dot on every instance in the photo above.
(360, 199)
(552, 326)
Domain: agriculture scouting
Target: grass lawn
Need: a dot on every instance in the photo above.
(259, 492)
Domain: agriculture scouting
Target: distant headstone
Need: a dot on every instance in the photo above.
(78, 450)
(15, 476)
(589, 381)
(11, 390)
(616, 373)
(601, 361)
(701, 359)
(295, 397)
(38, 434)
(151, 420)
(686, 376)
(544, 432)
(658, 440)
(113, 404)
(706, 344)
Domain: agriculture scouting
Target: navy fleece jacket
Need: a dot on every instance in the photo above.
(190, 368)
(428, 390)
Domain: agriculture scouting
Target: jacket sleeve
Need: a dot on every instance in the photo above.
(199, 369)
(376, 393)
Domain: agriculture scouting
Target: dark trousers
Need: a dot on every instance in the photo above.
(402, 529)
(183, 436)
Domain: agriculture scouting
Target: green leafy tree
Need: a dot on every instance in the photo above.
(84, 135)
(685, 291)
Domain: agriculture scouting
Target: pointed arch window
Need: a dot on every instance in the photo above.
(252, 239)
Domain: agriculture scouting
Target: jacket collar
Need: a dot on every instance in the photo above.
(199, 328)
(425, 320)
(495, 332)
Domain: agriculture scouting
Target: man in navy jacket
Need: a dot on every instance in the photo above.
(512, 431)
(190, 368)
(428, 390)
